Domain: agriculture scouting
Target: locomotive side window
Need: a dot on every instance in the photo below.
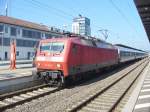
(52, 47)
(74, 48)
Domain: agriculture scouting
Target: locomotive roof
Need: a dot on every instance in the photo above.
(78, 38)
(84, 41)
(58, 38)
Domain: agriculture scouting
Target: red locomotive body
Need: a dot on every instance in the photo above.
(60, 58)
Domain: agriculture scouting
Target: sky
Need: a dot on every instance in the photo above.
(119, 17)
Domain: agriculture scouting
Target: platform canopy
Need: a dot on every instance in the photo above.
(143, 7)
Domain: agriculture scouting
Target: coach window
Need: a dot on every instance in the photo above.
(13, 31)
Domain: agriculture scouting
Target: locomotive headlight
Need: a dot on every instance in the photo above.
(39, 64)
(58, 65)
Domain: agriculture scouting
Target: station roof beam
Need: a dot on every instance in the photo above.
(143, 7)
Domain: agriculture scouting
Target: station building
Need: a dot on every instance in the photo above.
(25, 33)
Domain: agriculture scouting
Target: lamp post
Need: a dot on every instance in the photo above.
(2, 36)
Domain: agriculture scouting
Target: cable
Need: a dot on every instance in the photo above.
(56, 9)
(129, 4)
(41, 7)
(68, 6)
(123, 16)
(2, 11)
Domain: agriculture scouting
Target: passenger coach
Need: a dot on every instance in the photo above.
(127, 53)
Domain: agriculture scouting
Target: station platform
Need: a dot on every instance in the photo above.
(19, 64)
(22, 77)
(139, 100)
(19, 72)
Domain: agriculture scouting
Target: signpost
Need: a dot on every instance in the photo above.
(13, 55)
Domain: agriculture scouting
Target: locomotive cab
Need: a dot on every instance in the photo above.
(50, 60)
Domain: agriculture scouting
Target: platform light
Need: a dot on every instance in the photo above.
(148, 18)
(146, 8)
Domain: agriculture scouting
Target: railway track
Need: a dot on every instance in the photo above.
(19, 97)
(12, 99)
(107, 98)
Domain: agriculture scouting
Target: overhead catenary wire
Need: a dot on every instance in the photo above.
(2, 5)
(58, 10)
(46, 9)
(123, 16)
(68, 7)
(60, 13)
(53, 8)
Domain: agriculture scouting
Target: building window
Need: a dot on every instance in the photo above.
(1, 28)
(6, 55)
(6, 41)
(13, 31)
(42, 35)
(38, 35)
(6, 29)
(17, 53)
(26, 43)
(0, 41)
(48, 35)
(31, 34)
(18, 31)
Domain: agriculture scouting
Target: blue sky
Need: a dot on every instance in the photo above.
(125, 27)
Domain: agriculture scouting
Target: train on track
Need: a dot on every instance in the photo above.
(67, 58)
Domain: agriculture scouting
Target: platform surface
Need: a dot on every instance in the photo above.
(17, 61)
(21, 72)
(12, 80)
(19, 64)
(139, 100)
(143, 101)
(24, 68)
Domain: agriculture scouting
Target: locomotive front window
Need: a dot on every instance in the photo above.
(52, 47)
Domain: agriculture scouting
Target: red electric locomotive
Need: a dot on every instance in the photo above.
(67, 57)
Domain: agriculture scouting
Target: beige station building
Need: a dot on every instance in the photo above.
(26, 34)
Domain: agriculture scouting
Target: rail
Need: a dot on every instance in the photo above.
(83, 104)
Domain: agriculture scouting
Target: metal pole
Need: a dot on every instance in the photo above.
(2, 35)
(2, 45)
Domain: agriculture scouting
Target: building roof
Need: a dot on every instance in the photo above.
(143, 7)
(23, 23)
